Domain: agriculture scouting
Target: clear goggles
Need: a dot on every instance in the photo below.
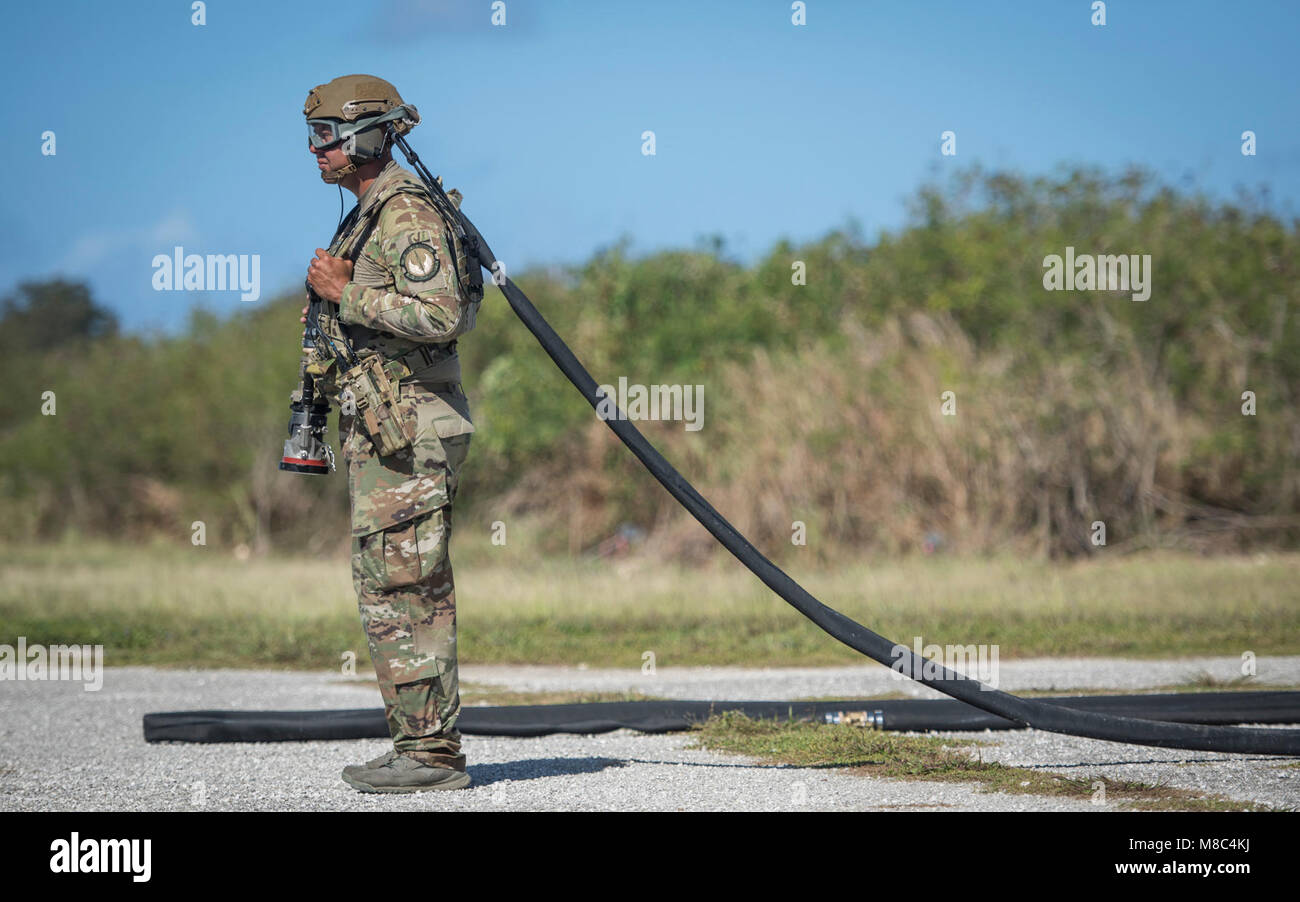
(325, 133)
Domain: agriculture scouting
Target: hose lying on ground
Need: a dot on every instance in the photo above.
(667, 715)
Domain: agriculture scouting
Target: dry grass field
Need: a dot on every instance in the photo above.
(204, 607)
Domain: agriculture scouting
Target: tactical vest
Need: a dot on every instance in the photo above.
(435, 362)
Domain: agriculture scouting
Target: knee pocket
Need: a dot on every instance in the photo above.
(405, 554)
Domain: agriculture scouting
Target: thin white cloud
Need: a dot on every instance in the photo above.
(93, 248)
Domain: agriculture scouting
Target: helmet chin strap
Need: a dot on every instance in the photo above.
(334, 176)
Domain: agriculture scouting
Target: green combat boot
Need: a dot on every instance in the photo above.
(377, 762)
(397, 772)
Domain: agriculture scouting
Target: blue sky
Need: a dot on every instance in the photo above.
(174, 134)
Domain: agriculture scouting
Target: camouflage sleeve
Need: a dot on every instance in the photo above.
(424, 302)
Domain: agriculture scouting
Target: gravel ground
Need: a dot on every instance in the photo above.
(62, 748)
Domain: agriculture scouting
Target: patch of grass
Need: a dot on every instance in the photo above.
(202, 607)
(914, 757)
(166, 638)
(1208, 682)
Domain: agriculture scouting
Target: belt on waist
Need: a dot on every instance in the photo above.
(421, 358)
(422, 354)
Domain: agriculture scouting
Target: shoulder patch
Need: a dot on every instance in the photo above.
(420, 262)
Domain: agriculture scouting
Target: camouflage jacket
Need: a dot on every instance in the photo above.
(409, 289)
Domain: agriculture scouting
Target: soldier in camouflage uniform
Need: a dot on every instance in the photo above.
(407, 297)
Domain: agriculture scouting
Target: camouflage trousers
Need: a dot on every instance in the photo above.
(407, 599)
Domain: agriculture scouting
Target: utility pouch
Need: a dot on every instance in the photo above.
(379, 412)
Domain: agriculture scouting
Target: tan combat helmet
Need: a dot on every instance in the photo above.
(351, 108)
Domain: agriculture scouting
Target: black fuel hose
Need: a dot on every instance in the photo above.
(667, 715)
(1029, 713)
